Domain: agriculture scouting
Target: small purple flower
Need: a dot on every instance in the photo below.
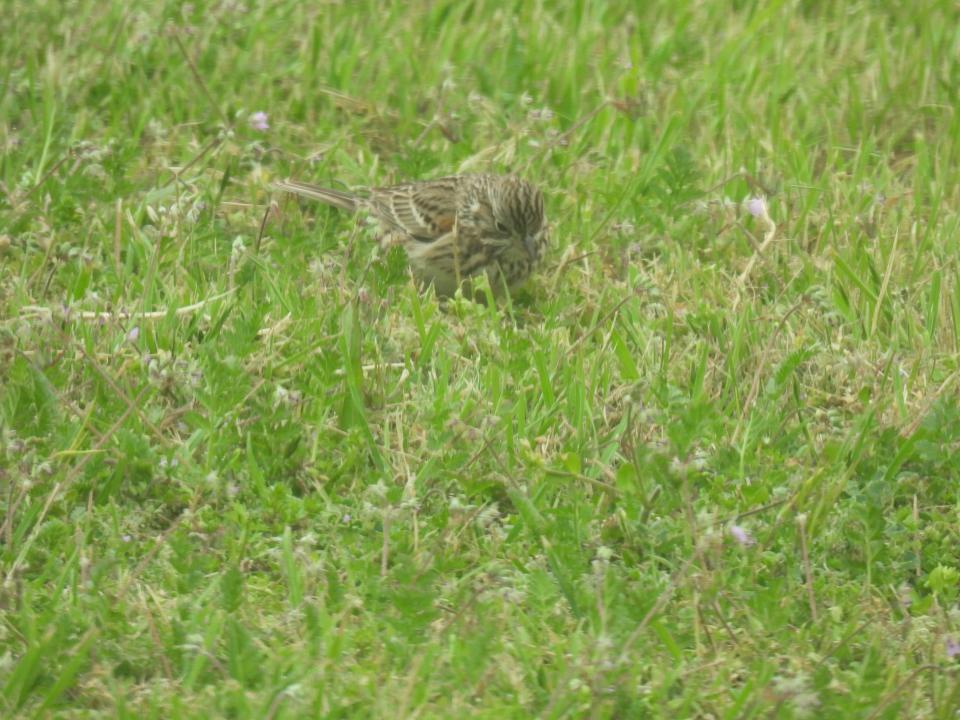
(258, 121)
(953, 648)
(133, 334)
(742, 535)
(757, 207)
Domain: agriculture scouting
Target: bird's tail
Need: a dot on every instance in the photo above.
(343, 200)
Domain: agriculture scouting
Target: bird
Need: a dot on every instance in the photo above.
(453, 229)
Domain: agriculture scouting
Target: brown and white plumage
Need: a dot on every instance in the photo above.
(453, 228)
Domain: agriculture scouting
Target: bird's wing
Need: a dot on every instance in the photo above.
(425, 210)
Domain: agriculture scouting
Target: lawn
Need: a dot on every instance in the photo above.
(704, 464)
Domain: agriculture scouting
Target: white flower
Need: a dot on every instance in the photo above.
(259, 121)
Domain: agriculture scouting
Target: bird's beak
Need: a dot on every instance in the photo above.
(530, 243)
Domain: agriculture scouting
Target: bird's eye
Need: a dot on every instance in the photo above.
(501, 228)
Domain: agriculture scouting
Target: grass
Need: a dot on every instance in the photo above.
(705, 465)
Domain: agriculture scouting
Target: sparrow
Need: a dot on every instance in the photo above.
(453, 229)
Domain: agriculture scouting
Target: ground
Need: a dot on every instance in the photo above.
(704, 465)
